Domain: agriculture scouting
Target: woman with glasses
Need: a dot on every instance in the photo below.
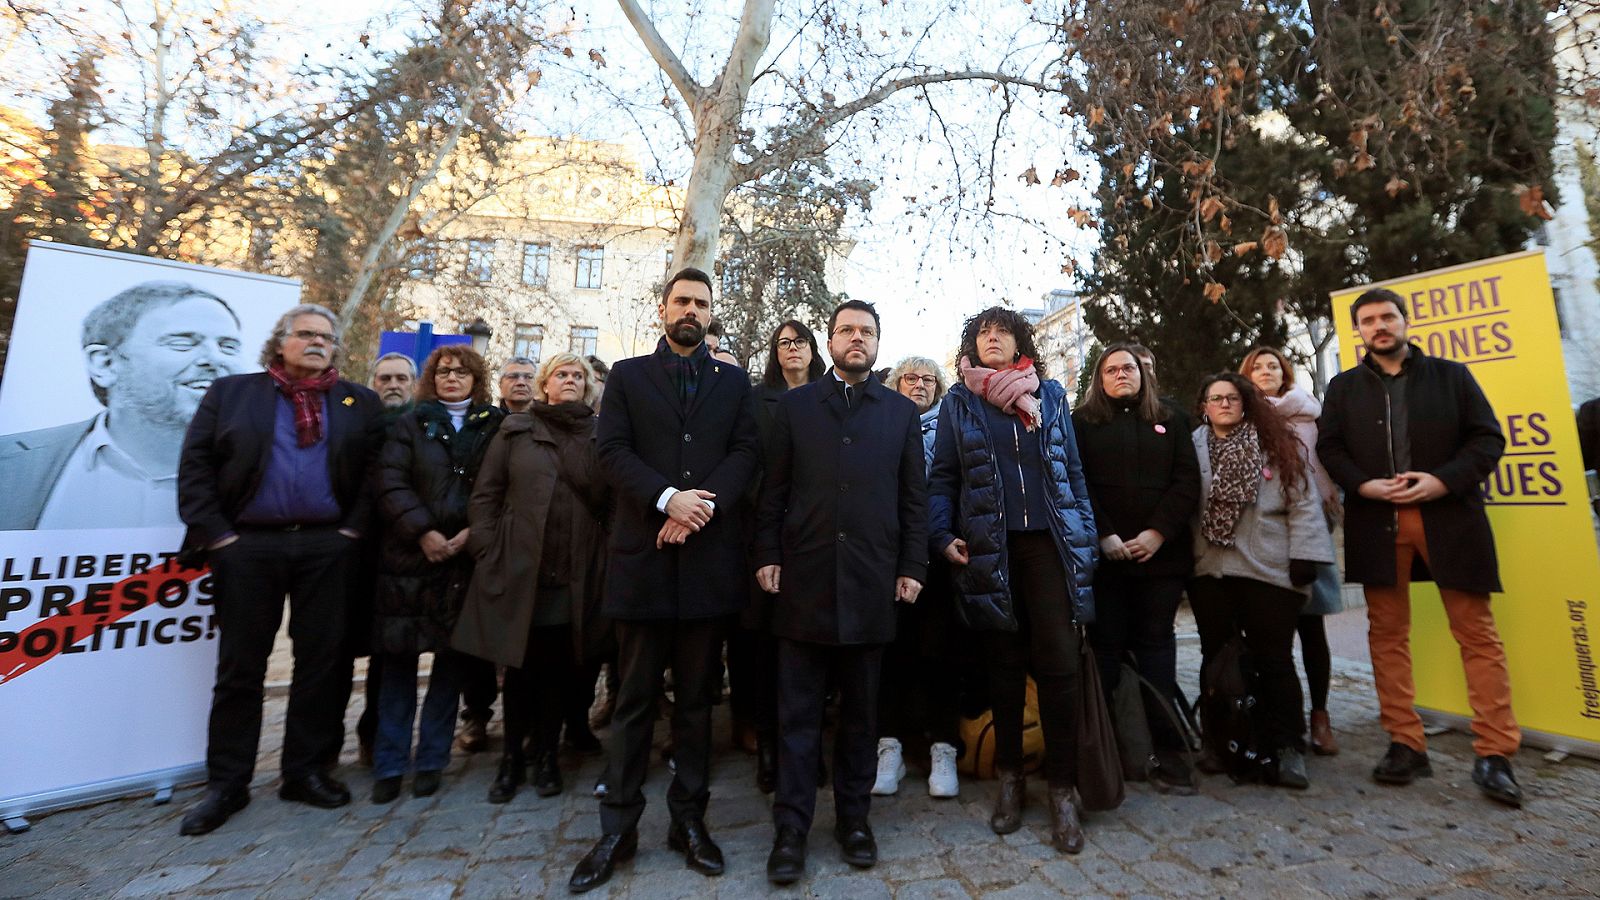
(1258, 539)
(793, 360)
(1011, 513)
(1273, 375)
(425, 477)
(1144, 482)
(918, 690)
(538, 534)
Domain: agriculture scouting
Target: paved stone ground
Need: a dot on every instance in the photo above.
(1344, 837)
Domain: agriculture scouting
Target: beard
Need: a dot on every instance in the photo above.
(686, 332)
(855, 368)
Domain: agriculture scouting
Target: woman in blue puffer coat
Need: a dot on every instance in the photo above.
(1011, 512)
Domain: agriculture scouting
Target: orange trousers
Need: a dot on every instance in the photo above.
(1494, 727)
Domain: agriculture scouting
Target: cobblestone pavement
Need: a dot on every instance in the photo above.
(1344, 837)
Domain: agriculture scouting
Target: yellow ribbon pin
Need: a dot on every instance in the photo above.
(349, 401)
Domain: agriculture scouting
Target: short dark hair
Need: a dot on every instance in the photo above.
(601, 370)
(687, 273)
(1012, 321)
(113, 319)
(860, 305)
(773, 376)
(1377, 295)
(715, 329)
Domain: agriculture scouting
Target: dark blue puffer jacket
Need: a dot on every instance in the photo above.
(965, 499)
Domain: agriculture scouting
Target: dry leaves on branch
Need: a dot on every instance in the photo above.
(1213, 252)
(1244, 247)
(1064, 176)
(1081, 218)
(1274, 243)
(1148, 202)
(1068, 267)
(1226, 224)
(1209, 208)
(1395, 185)
(1197, 168)
(1531, 199)
(1097, 115)
(1214, 291)
(1029, 177)
(598, 60)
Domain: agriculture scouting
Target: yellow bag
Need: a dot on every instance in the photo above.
(977, 760)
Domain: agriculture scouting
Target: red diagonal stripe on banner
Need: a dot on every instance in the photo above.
(14, 662)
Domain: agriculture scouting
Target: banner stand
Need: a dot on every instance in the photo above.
(14, 810)
(1543, 740)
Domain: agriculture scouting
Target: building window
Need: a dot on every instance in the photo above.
(585, 340)
(590, 262)
(480, 261)
(528, 341)
(423, 262)
(535, 264)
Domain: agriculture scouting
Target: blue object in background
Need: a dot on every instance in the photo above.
(418, 344)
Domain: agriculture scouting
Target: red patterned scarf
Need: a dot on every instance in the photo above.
(307, 395)
(1010, 389)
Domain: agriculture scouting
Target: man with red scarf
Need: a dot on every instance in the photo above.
(271, 485)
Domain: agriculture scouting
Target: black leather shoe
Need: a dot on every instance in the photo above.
(546, 775)
(856, 843)
(385, 790)
(426, 784)
(600, 862)
(766, 766)
(787, 862)
(506, 781)
(1402, 765)
(1291, 770)
(214, 809)
(1492, 774)
(315, 789)
(700, 852)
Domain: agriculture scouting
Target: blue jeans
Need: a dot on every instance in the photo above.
(397, 707)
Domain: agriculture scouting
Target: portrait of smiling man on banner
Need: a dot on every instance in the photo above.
(150, 353)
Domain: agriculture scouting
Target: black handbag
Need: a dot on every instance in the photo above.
(1099, 768)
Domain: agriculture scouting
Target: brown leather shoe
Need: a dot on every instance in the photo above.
(1066, 832)
(474, 736)
(1008, 802)
(1322, 740)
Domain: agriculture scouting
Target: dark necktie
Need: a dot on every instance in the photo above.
(849, 398)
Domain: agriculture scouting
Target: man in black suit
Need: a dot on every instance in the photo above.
(272, 485)
(677, 438)
(844, 521)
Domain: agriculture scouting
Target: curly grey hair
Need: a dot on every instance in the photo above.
(915, 364)
(272, 350)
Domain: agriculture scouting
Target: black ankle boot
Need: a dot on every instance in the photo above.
(546, 775)
(506, 780)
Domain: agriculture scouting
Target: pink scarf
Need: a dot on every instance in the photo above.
(1011, 389)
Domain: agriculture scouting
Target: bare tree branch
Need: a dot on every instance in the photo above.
(669, 62)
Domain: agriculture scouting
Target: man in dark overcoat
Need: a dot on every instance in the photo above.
(842, 534)
(677, 439)
(274, 487)
(1411, 438)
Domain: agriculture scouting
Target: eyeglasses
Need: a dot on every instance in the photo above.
(1225, 400)
(867, 332)
(911, 378)
(792, 343)
(325, 337)
(517, 376)
(1128, 369)
(447, 371)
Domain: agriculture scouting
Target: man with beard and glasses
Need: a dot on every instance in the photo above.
(677, 439)
(1411, 438)
(151, 352)
(842, 535)
(274, 484)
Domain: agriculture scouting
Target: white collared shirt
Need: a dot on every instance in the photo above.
(103, 487)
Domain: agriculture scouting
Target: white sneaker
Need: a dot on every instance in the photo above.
(942, 780)
(891, 767)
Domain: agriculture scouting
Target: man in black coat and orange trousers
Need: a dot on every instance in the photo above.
(841, 536)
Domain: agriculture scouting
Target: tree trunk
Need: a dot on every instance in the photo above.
(397, 215)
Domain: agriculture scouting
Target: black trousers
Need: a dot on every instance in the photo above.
(920, 688)
(1045, 643)
(1266, 615)
(645, 649)
(536, 691)
(753, 679)
(479, 687)
(803, 678)
(580, 695)
(1135, 614)
(311, 566)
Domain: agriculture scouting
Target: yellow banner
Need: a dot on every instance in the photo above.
(1498, 317)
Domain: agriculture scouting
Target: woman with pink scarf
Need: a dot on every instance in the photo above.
(1010, 511)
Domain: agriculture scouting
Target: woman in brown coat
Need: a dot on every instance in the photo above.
(538, 517)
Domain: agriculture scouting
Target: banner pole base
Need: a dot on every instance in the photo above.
(17, 824)
(163, 796)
